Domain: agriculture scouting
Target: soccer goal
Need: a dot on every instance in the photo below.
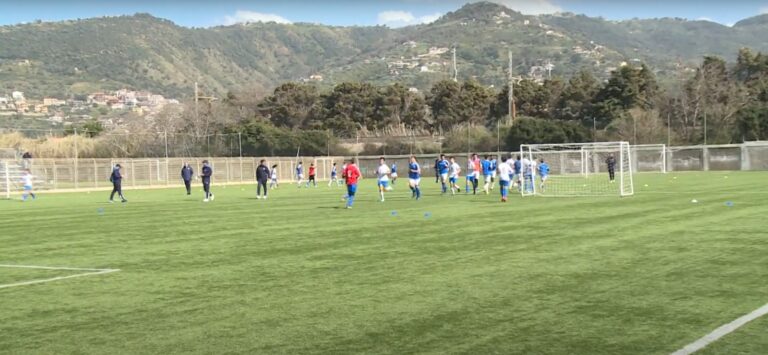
(650, 158)
(577, 169)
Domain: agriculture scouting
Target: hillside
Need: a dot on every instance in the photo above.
(145, 52)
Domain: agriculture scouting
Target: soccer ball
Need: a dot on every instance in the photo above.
(388, 188)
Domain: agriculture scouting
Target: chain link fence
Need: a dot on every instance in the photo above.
(82, 174)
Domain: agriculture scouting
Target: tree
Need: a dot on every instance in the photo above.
(628, 87)
(528, 130)
(576, 101)
(290, 105)
(443, 100)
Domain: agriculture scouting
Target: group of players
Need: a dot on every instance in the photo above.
(509, 173)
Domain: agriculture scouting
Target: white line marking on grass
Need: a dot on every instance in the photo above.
(722, 331)
(91, 272)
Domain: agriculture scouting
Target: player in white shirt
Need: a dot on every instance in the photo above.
(273, 177)
(453, 176)
(382, 172)
(527, 182)
(505, 178)
(26, 179)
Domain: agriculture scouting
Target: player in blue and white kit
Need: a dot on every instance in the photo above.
(382, 172)
(334, 176)
(300, 174)
(493, 168)
(443, 166)
(543, 172)
(414, 178)
(453, 176)
(506, 173)
(485, 164)
(393, 174)
(518, 169)
(26, 179)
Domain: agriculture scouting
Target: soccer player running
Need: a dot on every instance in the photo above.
(611, 162)
(528, 182)
(414, 178)
(312, 172)
(485, 164)
(453, 177)
(300, 174)
(206, 177)
(505, 178)
(26, 180)
(393, 174)
(351, 174)
(543, 168)
(273, 182)
(262, 175)
(117, 184)
(186, 174)
(382, 172)
(443, 166)
(334, 176)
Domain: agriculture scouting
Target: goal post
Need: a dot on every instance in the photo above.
(577, 169)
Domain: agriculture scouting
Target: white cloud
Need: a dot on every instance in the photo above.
(704, 18)
(531, 7)
(404, 18)
(764, 10)
(242, 16)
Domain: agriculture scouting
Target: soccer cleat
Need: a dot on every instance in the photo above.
(349, 207)
(212, 197)
(124, 201)
(258, 197)
(205, 200)
(265, 197)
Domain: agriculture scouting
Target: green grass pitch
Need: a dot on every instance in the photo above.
(297, 274)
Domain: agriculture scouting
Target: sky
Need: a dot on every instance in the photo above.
(392, 13)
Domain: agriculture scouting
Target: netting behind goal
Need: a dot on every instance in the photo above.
(578, 169)
(649, 158)
(5, 180)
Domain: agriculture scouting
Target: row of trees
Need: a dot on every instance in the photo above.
(717, 102)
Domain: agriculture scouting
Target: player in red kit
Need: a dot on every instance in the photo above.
(351, 174)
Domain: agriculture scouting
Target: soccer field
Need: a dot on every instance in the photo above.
(299, 274)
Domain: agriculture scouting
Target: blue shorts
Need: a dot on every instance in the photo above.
(333, 175)
(453, 180)
(544, 176)
(504, 183)
(384, 184)
(351, 189)
(27, 188)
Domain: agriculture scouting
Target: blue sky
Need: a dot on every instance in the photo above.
(393, 13)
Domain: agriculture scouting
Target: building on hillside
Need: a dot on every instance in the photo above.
(50, 101)
(18, 96)
(40, 108)
(316, 77)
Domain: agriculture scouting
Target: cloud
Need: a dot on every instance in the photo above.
(704, 18)
(763, 10)
(531, 7)
(242, 16)
(404, 18)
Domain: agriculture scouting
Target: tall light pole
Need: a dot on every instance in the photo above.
(512, 110)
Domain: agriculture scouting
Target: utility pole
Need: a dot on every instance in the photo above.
(705, 127)
(197, 96)
(594, 129)
(455, 68)
(669, 131)
(511, 94)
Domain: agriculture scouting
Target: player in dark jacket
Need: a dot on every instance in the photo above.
(262, 176)
(117, 184)
(611, 162)
(186, 174)
(206, 177)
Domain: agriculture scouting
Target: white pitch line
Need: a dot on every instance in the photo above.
(722, 331)
(32, 282)
(52, 267)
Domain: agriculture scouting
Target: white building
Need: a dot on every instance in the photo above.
(17, 96)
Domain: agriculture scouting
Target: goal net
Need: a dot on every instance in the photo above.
(649, 158)
(576, 169)
(5, 180)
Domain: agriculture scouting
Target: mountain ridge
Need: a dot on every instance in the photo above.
(146, 52)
